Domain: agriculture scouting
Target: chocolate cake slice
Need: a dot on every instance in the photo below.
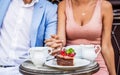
(66, 57)
(64, 62)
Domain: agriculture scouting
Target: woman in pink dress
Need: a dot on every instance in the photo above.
(86, 22)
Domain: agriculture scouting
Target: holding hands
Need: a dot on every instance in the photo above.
(55, 43)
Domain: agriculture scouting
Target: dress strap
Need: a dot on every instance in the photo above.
(68, 10)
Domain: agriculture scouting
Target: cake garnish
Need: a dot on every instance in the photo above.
(68, 52)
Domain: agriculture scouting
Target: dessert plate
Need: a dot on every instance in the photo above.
(78, 63)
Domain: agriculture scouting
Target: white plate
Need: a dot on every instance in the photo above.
(77, 64)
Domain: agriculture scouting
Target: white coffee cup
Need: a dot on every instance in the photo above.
(38, 55)
(85, 51)
(89, 51)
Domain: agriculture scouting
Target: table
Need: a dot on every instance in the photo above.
(27, 68)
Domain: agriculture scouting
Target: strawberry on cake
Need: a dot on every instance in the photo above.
(66, 57)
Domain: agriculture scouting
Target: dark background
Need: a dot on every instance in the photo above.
(116, 33)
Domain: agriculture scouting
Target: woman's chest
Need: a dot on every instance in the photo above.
(91, 30)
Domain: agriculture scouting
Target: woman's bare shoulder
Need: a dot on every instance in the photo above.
(62, 3)
(106, 5)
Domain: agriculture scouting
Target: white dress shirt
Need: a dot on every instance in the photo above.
(14, 37)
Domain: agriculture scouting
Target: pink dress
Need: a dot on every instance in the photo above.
(89, 33)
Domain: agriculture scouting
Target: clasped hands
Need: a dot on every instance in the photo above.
(55, 43)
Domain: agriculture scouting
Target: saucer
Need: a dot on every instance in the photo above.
(78, 63)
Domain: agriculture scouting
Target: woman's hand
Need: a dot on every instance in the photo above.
(55, 43)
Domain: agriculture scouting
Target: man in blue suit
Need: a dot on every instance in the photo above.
(23, 24)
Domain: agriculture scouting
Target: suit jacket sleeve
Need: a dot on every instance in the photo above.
(51, 21)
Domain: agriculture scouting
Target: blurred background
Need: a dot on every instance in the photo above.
(116, 33)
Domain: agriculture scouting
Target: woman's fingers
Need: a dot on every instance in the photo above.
(49, 40)
(55, 52)
(54, 42)
(49, 43)
(55, 36)
(55, 46)
(58, 41)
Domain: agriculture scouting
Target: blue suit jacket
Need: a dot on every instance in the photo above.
(44, 20)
